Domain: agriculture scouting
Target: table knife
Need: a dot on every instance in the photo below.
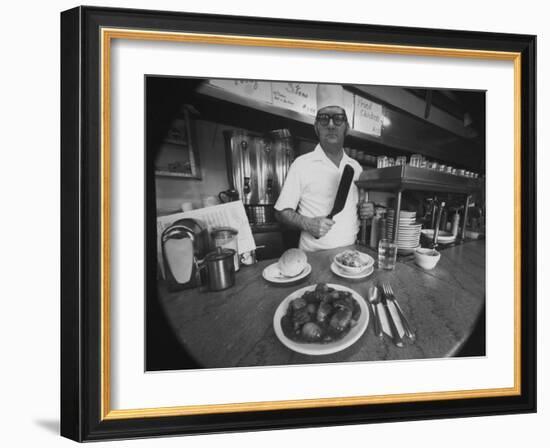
(393, 328)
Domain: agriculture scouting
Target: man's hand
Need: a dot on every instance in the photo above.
(318, 226)
(366, 210)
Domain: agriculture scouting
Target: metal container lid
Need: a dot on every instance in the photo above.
(220, 254)
(280, 133)
(224, 232)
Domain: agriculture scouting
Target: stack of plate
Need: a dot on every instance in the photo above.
(408, 237)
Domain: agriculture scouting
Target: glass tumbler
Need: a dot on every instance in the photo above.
(415, 160)
(387, 254)
(381, 162)
(401, 160)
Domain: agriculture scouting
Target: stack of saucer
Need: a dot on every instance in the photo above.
(408, 237)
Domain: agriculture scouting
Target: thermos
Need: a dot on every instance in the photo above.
(378, 228)
(364, 222)
(374, 232)
(443, 223)
(456, 222)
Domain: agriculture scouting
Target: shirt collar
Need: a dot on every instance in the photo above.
(319, 154)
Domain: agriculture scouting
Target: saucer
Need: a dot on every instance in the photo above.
(272, 274)
(335, 269)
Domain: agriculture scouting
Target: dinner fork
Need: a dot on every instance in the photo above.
(388, 292)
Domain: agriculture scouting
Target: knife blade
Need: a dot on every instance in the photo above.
(343, 190)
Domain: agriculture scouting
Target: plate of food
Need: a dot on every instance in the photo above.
(353, 262)
(321, 319)
(292, 266)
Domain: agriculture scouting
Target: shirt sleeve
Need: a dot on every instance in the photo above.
(291, 191)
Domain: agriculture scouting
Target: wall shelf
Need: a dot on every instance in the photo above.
(406, 177)
(406, 134)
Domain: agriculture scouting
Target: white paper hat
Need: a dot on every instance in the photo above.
(330, 95)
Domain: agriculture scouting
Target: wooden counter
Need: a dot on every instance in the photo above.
(235, 327)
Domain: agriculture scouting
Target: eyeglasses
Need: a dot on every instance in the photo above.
(337, 119)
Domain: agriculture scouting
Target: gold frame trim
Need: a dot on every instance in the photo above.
(107, 35)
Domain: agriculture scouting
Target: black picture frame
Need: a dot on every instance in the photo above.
(83, 407)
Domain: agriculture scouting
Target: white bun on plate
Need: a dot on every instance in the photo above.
(292, 262)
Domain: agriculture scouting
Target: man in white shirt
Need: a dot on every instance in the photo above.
(312, 181)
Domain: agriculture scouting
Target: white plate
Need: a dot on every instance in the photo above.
(409, 241)
(408, 246)
(407, 226)
(443, 237)
(407, 250)
(405, 223)
(272, 274)
(407, 217)
(316, 348)
(406, 238)
(402, 213)
(368, 271)
(408, 230)
(402, 220)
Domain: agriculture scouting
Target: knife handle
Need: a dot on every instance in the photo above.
(328, 217)
(393, 328)
(376, 320)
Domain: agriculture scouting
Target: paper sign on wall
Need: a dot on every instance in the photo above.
(295, 96)
(256, 90)
(367, 117)
(349, 106)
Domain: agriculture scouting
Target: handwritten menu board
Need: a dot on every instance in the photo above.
(254, 90)
(367, 117)
(299, 97)
(295, 96)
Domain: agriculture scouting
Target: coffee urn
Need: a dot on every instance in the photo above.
(257, 166)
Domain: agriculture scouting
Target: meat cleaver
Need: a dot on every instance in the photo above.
(343, 190)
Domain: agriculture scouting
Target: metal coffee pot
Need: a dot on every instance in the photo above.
(221, 269)
(228, 196)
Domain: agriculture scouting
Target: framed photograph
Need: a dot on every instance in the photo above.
(175, 152)
(357, 244)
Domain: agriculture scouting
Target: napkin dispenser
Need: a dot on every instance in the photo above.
(184, 243)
